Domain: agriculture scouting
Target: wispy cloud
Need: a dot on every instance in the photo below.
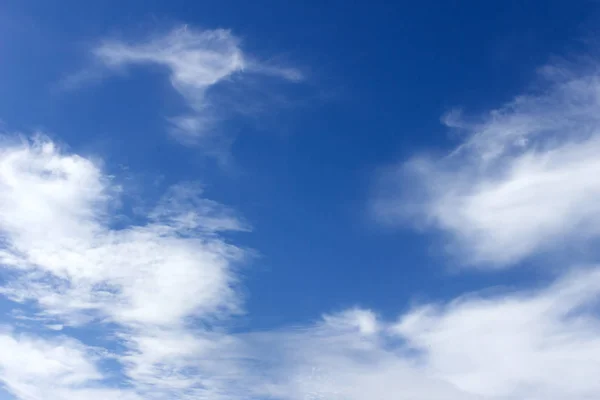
(197, 62)
(522, 182)
(529, 344)
(537, 344)
(160, 292)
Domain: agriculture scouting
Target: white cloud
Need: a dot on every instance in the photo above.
(33, 368)
(79, 264)
(339, 359)
(541, 344)
(62, 361)
(523, 178)
(152, 280)
(194, 364)
(196, 61)
(166, 285)
(184, 209)
(522, 182)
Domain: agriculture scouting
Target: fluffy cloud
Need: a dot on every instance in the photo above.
(158, 291)
(197, 61)
(348, 355)
(150, 280)
(34, 368)
(522, 182)
(78, 264)
(538, 344)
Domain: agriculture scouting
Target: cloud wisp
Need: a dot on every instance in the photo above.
(197, 62)
(522, 182)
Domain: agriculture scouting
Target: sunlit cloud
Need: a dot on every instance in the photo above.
(521, 183)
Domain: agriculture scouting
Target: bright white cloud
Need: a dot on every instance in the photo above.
(34, 368)
(151, 280)
(541, 344)
(165, 285)
(79, 264)
(196, 61)
(522, 182)
(522, 179)
(62, 361)
(339, 359)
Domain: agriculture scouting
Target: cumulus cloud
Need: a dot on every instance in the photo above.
(197, 61)
(522, 182)
(151, 281)
(79, 264)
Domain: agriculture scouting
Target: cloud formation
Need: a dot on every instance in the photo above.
(197, 61)
(150, 281)
(538, 344)
(159, 294)
(522, 182)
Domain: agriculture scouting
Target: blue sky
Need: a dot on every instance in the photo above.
(299, 200)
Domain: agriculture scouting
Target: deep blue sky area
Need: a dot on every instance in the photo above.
(379, 76)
